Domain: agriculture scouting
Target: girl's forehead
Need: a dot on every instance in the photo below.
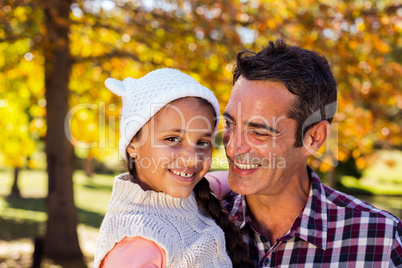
(184, 108)
(184, 102)
(184, 115)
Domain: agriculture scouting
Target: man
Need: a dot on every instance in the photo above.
(279, 113)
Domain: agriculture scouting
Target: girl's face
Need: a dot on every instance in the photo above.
(174, 150)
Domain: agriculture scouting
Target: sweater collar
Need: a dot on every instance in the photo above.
(129, 196)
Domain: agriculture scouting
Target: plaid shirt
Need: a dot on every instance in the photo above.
(333, 230)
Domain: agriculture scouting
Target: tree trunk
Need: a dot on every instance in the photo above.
(15, 190)
(61, 240)
(89, 165)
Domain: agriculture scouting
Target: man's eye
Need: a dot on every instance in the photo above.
(260, 134)
(228, 124)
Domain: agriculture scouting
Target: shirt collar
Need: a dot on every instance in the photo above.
(240, 215)
(312, 223)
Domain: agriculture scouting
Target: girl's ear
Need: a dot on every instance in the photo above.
(132, 151)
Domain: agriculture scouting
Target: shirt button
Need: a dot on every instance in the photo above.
(266, 261)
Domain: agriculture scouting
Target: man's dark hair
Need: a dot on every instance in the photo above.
(304, 73)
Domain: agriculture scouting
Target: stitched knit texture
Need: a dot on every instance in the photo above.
(189, 238)
(144, 97)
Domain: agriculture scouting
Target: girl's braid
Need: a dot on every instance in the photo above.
(236, 247)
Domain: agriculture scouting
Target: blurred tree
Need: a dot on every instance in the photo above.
(45, 24)
(61, 240)
(16, 123)
(78, 44)
(361, 40)
(15, 190)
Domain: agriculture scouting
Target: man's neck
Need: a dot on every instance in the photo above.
(273, 215)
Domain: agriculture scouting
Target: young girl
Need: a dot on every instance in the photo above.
(162, 213)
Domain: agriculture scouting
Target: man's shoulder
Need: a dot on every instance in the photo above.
(342, 204)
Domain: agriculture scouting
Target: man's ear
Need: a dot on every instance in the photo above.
(316, 136)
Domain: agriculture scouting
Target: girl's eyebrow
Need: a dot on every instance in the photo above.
(178, 130)
(181, 131)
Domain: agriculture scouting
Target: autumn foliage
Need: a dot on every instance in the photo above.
(361, 40)
(63, 48)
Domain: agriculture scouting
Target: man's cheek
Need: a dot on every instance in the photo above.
(225, 138)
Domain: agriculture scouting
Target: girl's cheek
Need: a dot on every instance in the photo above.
(204, 153)
(208, 160)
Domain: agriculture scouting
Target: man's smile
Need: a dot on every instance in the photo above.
(246, 166)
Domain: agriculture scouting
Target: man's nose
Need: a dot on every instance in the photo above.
(236, 143)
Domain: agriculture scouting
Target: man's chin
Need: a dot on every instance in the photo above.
(240, 185)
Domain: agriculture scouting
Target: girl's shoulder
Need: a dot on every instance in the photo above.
(135, 252)
(218, 182)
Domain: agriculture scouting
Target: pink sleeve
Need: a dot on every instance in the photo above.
(135, 252)
(218, 181)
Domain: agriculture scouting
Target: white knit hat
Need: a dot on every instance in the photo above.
(144, 97)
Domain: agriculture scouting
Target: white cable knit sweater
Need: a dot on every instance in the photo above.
(189, 238)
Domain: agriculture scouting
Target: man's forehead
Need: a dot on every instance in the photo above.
(260, 100)
(255, 120)
(256, 110)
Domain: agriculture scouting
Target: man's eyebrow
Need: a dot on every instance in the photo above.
(226, 114)
(252, 124)
(263, 126)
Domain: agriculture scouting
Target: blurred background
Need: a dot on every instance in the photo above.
(59, 124)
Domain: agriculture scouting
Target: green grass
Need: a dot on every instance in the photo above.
(382, 177)
(23, 219)
(33, 183)
(91, 196)
(386, 167)
(370, 186)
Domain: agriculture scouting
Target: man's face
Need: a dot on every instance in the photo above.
(259, 138)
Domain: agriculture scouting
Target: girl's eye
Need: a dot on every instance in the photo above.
(204, 144)
(173, 139)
